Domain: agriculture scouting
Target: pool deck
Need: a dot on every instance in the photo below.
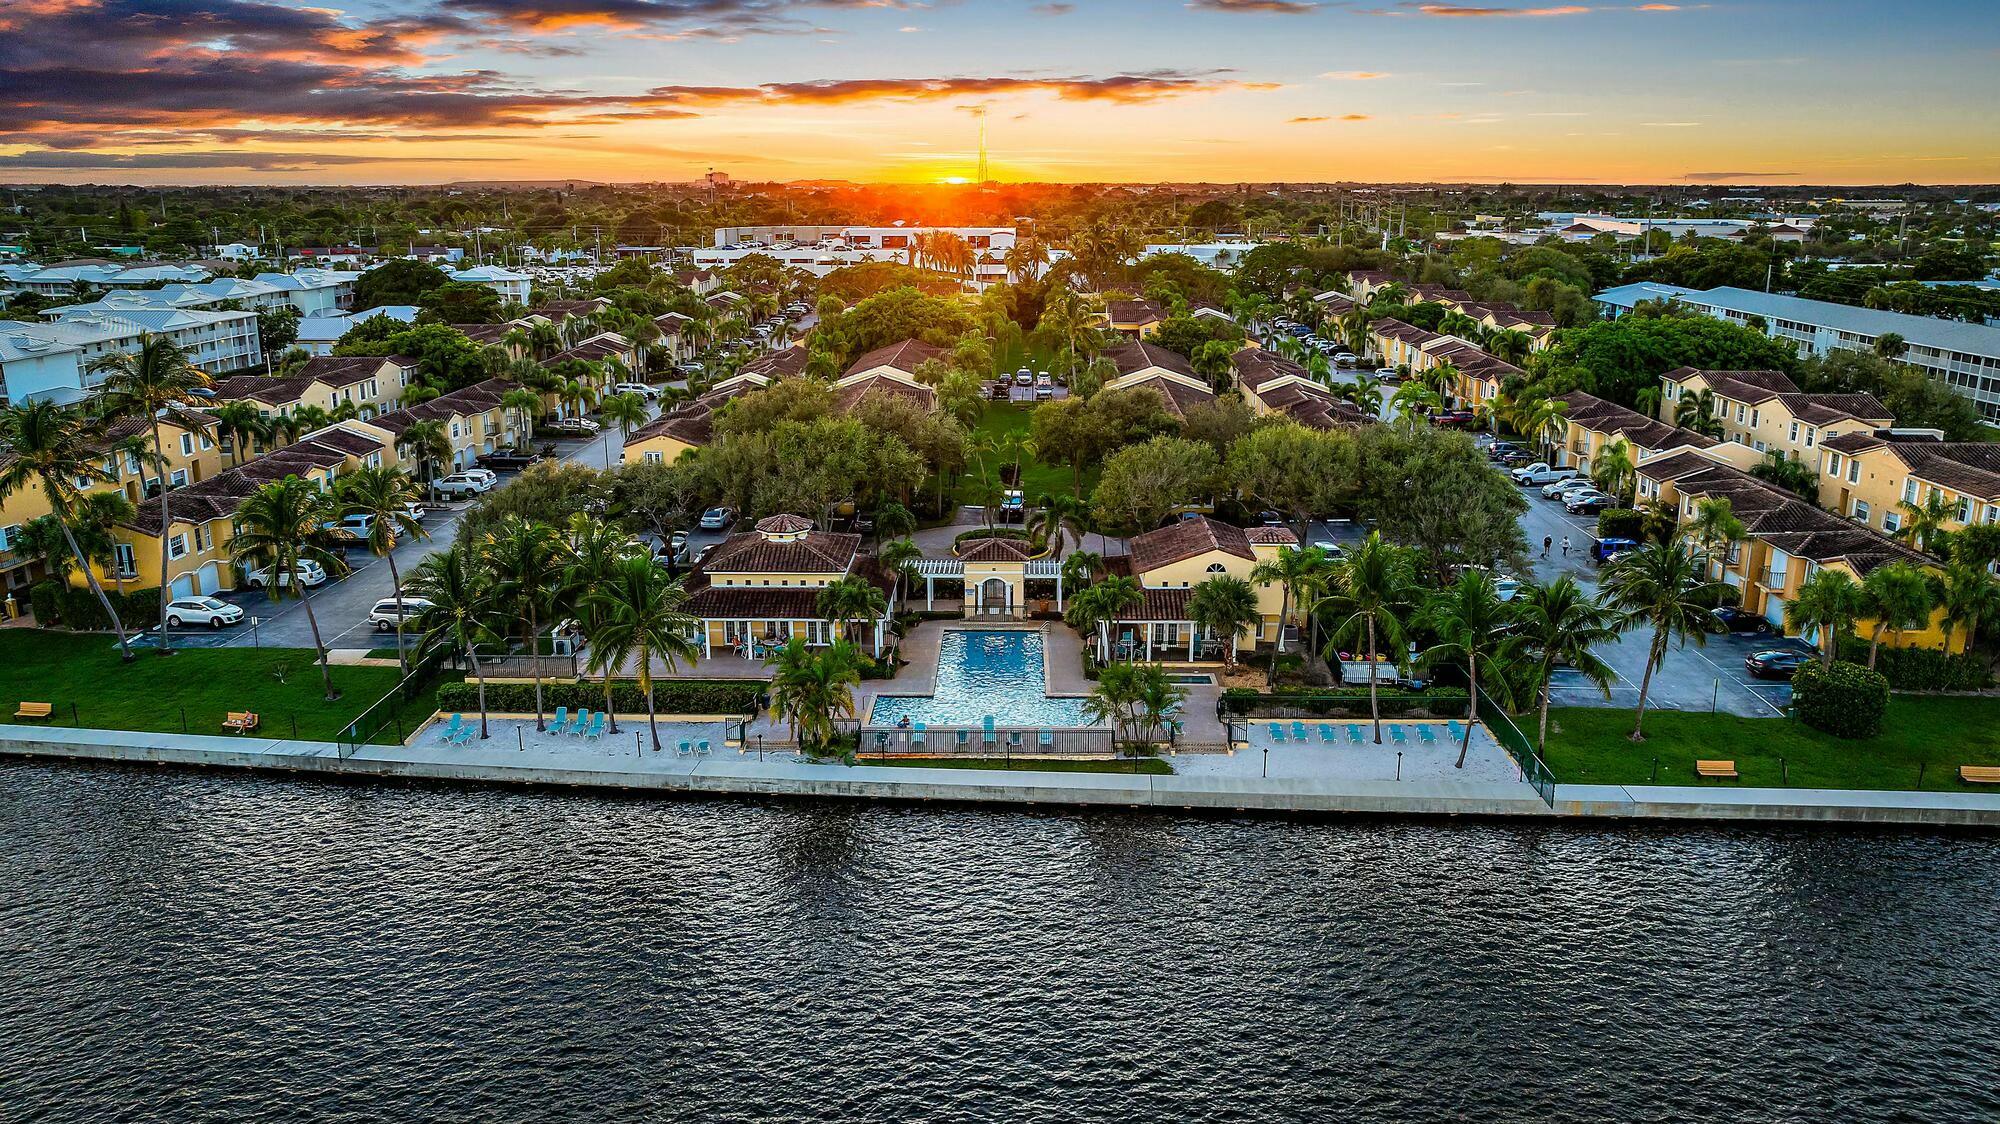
(628, 763)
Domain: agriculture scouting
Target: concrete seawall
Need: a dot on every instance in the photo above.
(748, 777)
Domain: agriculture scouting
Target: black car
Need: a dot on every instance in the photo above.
(1778, 663)
(1588, 504)
(1736, 620)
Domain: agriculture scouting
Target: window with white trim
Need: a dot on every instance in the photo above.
(177, 546)
(1910, 491)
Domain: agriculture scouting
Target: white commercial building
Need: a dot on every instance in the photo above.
(1966, 356)
(820, 250)
(510, 285)
(67, 278)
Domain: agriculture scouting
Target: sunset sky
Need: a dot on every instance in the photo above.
(422, 91)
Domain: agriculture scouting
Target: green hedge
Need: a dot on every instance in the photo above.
(1922, 669)
(670, 696)
(1845, 700)
(78, 609)
(1621, 523)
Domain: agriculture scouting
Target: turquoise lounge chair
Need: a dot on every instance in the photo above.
(1299, 732)
(561, 717)
(917, 734)
(1456, 731)
(1326, 733)
(965, 739)
(452, 728)
(1045, 739)
(1354, 733)
(987, 734)
(1396, 735)
(596, 729)
(578, 722)
(683, 749)
(1014, 739)
(701, 748)
(465, 734)
(1277, 732)
(1425, 735)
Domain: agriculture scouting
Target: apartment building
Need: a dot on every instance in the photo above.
(1136, 320)
(1787, 540)
(87, 274)
(1966, 356)
(1168, 372)
(474, 421)
(365, 384)
(1766, 410)
(1593, 424)
(52, 360)
(1870, 476)
(1273, 384)
(513, 287)
(1169, 563)
(759, 590)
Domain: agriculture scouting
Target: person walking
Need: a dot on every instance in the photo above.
(1547, 541)
(1565, 546)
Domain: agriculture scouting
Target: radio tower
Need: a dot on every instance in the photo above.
(981, 181)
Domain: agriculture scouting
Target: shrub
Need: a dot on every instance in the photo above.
(77, 608)
(1922, 669)
(1845, 700)
(1621, 523)
(670, 696)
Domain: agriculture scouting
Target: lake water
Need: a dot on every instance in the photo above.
(180, 946)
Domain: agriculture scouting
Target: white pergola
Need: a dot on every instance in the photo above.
(931, 569)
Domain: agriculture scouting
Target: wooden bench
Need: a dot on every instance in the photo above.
(1715, 768)
(240, 721)
(1979, 774)
(34, 710)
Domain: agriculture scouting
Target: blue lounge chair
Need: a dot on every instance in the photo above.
(683, 749)
(1396, 735)
(1456, 731)
(1046, 739)
(1354, 733)
(1277, 732)
(965, 739)
(1326, 734)
(987, 735)
(561, 717)
(1014, 739)
(1424, 734)
(596, 729)
(577, 722)
(452, 728)
(701, 748)
(917, 734)
(1299, 732)
(465, 734)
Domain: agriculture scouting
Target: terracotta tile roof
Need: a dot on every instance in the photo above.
(1186, 539)
(1826, 409)
(1271, 536)
(1858, 441)
(559, 310)
(1595, 414)
(1391, 328)
(1160, 605)
(995, 550)
(788, 363)
(851, 395)
(820, 552)
(261, 388)
(220, 495)
(1134, 312)
(479, 398)
(714, 602)
(596, 350)
(904, 356)
(783, 524)
(1370, 276)
(490, 334)
(1139, 355)
(1744, 386)
(1968, 467)
(1256, 366)
(347, 370)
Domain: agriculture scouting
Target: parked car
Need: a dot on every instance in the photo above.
(1775, 663)
(641, 389)
(202, 610)
(1541, 473)
(689, 368)
(1562, 488)
(718, 518)
(1609, 550)
(677, 542)
(1271, 518)
(1013, 507)
(388, 611)
(1588, 502)
(1500, 450)
(1507, 588)
(1455, 419)
(351, 528)
(1736, 620)
(459, 485)
(500, 462)
(308, 573)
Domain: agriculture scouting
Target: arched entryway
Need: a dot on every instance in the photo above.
(996, 596)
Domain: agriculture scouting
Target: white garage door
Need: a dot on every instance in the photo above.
(184, 586)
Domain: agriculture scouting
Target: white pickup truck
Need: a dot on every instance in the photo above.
(1541, 474)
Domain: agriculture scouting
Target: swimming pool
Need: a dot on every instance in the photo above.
(980, 674)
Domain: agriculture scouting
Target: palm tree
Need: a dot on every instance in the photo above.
(627, 412)
(643, 617)
(1413, 400)
(1614, 471)
(577, 395)
(526, 566)
(462, 615)
(1968, 595)
(1224, 606)
(1696, 412)
(1509, 346)
(900, 557)
(544, 339)
(812, 690)
(527, 407)
(1560, 625)
(428, 443)
(1292, 569)
(238, 423)
(1660, 586)
(1369, 590)
(1469, 621)
(1924, 523)
(1828, 601)
(49, 445)
(1106, 601)
(1056, 517)
(592, 552)
(1545, 421)
(1714, 525)
(387, 496)
(280, 526)
(1899, 596)
(152, 383)
(849, 600)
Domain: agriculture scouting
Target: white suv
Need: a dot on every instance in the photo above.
(460, 485)
(308, 574)
(202, 610)
(388, 611)
(638, 388)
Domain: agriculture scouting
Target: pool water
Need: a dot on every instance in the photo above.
(981, 674)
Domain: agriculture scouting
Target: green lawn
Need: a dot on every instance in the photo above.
(1938, 734)
(152, 692)
(1149, 766)
(1038, 479)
